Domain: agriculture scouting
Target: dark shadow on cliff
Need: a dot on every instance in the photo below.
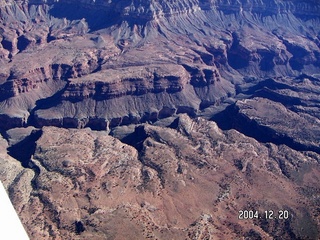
(267, 83)
(23, 150)
(230, 118)
(97, 17)
(45, 103)
(137, 138)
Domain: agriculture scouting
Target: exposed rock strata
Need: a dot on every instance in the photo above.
(111, 83)
(271, 121)
(226, 41)
(282, 111)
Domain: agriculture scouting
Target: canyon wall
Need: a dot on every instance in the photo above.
(92, 51)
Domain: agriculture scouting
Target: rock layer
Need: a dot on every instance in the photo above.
(281, 111)
(201, 42)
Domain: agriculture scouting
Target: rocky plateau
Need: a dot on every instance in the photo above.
(161, 119)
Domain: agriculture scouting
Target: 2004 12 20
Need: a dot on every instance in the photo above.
(268, 214)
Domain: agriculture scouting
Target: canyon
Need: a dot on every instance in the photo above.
(161, 119)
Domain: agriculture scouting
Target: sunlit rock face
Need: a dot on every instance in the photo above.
(161, 119)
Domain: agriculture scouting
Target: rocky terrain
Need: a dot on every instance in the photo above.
(186, 181)
(161, 119)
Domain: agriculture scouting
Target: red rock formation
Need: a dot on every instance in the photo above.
(189, 182)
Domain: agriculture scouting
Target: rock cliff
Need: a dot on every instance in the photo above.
(104, 41)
